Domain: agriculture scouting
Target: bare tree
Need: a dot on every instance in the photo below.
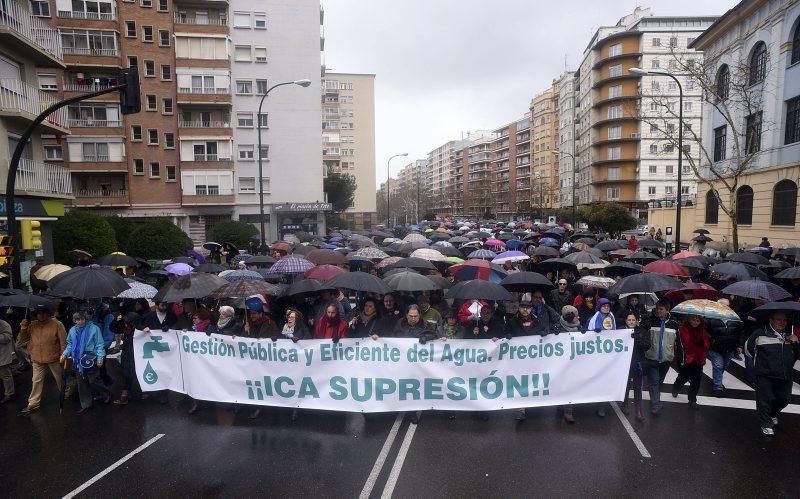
(737, 91)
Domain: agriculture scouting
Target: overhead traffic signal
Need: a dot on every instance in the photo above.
(130, 99)
(31, 232)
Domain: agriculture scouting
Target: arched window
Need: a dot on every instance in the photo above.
(744, 205)
(723, 81)
(758, 63)
(796, 43)
(784, 203)
(712, 208)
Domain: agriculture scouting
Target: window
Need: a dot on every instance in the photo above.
(615, 71)
(669, 170)
(244, 87)
(247, 152)
(669, 147)
(166, 72)
(53, 153)
(712, 208)
(163, 37)
(166, 105)
(133, 61)
(668, 190)
(612, 193)
(670, 128)
(796, 45)
(130, 29)
(758, 64)
(138, 167)
(150, 103)
(152, 136)
(651, 190)
(247, 185)
(687, 107)
(614, 91)
(723, 82)
(653, 169)
(614, 132)
(155, 169)
(752, 142)
(91, 151)
(147, 34)
(655, 86)
(261, 54)
(265, 153)
(744, 205)
(241, 20)
(47, 81)
(615, 50)
(260, 20)
(654, 64)
(614, 112)
(689, 84)
(792, 120)
(136, 133)
(163, 6)
(172, 175)
(244, 119)
(201, 47)
(720, 139)
(205, 151)
(169, 140)
(40, 8)
(656, 42)
(673, 41)
(672, 86)
(673, 64)
(653, 148)
(242, 53)
(613, 173)
(150, 69)
(261, 87)
(654, 106)
(653, 128)
(784, 203)
(614, 152)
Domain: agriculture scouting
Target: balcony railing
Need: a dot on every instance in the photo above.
(205, 124)
(92, 16)
(210, 157)
(16, 95)
(196, 90)
(19, 19)
(101, 193)
(91, 51)
(43, 178)
(79, 123)
(75, 87)
(98, 158)
(200, 21)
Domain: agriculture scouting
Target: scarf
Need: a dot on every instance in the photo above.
(201, 326)
(570, 326)
(288, 331)
(661, 339)
(221, 323)
(537, 309)
(81, 337)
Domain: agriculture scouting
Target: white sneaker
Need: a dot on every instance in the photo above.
(774, 421)
(768, 432)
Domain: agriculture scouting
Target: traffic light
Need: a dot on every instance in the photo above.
(31, 234)
(130, 99)
(6, 250)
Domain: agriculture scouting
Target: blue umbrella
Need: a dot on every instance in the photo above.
(482, 253)
(516, 244)
(549, 241)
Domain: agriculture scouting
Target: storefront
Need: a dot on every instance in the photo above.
(46, 211)
(294, 217)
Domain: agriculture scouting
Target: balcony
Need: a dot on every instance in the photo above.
(202, 25)
(632, 137)
(600, 162)
(91, 123)
(113, 52)
(31, 36)
(208, 162)
(43, 179)
(196, 95)
(617, 57)
(214, 128)
(90, 16)
(24, 102)
(101, 198)
(617, 98)
(76, 87)
(208, 199)
(98, 164)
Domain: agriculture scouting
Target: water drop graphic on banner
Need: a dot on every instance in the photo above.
(150, 376)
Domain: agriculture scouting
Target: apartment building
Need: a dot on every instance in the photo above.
(627, 122)
(30, 57)
(348, 139)
(408, 196)
(473, 174)
(566, 137)
(440, 179)
(190, 154)
(511, 169)
(545, 191)
(755, 45)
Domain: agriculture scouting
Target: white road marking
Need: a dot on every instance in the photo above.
(728, 380)
(379, 462)
(388, 490)
(717, 402)
(113, 466)
(631, 432)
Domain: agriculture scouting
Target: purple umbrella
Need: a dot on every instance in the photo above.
(179, 268)
(549, 241)
(196, 255)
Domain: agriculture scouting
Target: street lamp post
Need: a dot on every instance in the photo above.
(574, 214)
(302, 83)
(388, 191)
(640, 71)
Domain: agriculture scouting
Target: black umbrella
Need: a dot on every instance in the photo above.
(790, 273)
(211, 246)
(584, 257)
(701, 231)
(738, 271)
(184, 259)
(764, 311)
(584, 233)
(247, 287)
(526, 281)
(23, 299)
(623, 269)
(260, 260)
(757, 290)
(646, 282)
(693, 262)
(413, 263)
(360, 281)
(749, 258)
(642, 256)
(194, 285)
(448, 251)
(440, 282)
(409, 247)
(610, 245)
(651, 243)
(546, 251)
(117, 260)
(306, 286)
(789, 251)
(555, 264)
(88, 282)
(210, 268)
(702, 238)
(478, 290)
(409, 281)
(392, 272)
(459, 240)
(588, 240)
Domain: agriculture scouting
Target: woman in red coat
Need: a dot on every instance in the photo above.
(331, 326)
(691, 348)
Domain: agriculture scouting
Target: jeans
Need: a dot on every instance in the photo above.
(719, 361)
(656, 372)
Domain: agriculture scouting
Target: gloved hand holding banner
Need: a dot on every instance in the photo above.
(388, 374)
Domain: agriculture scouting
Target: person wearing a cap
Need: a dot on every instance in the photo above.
(524, 323)
(46, 340)
(450, 328)
(774, 349)
(429, 314)
(603, 319)
(259, 324)
(85, 346)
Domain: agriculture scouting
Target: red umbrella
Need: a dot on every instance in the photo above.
(324, 272)
(685, 254)
(693, 291)
(477, 269)
(496, 243)
(666, 267)
(621, 252)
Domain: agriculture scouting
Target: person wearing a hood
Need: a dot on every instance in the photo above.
(641, 343)
(693, 344)
(570, 323)
(86, 350)
(331, 326)
(586, 309)
(663, 336)
(603, 319)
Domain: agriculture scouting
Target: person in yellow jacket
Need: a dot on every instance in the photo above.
(46, 340)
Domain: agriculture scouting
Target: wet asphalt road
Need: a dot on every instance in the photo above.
(714, 452)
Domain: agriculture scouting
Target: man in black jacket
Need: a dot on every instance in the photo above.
(162, 319)
(561, 296)
(774, 350)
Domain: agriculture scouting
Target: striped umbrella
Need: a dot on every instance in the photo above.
(291, 265)
(706, 308)
(428, 254)
(510, 256)
(483, 253)
(477, 269)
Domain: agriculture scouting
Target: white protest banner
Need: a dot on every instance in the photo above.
(389, 374)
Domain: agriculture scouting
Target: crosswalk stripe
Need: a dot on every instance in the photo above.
(729, 381)
(718, 402)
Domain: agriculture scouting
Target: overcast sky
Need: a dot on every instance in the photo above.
(444, 67)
